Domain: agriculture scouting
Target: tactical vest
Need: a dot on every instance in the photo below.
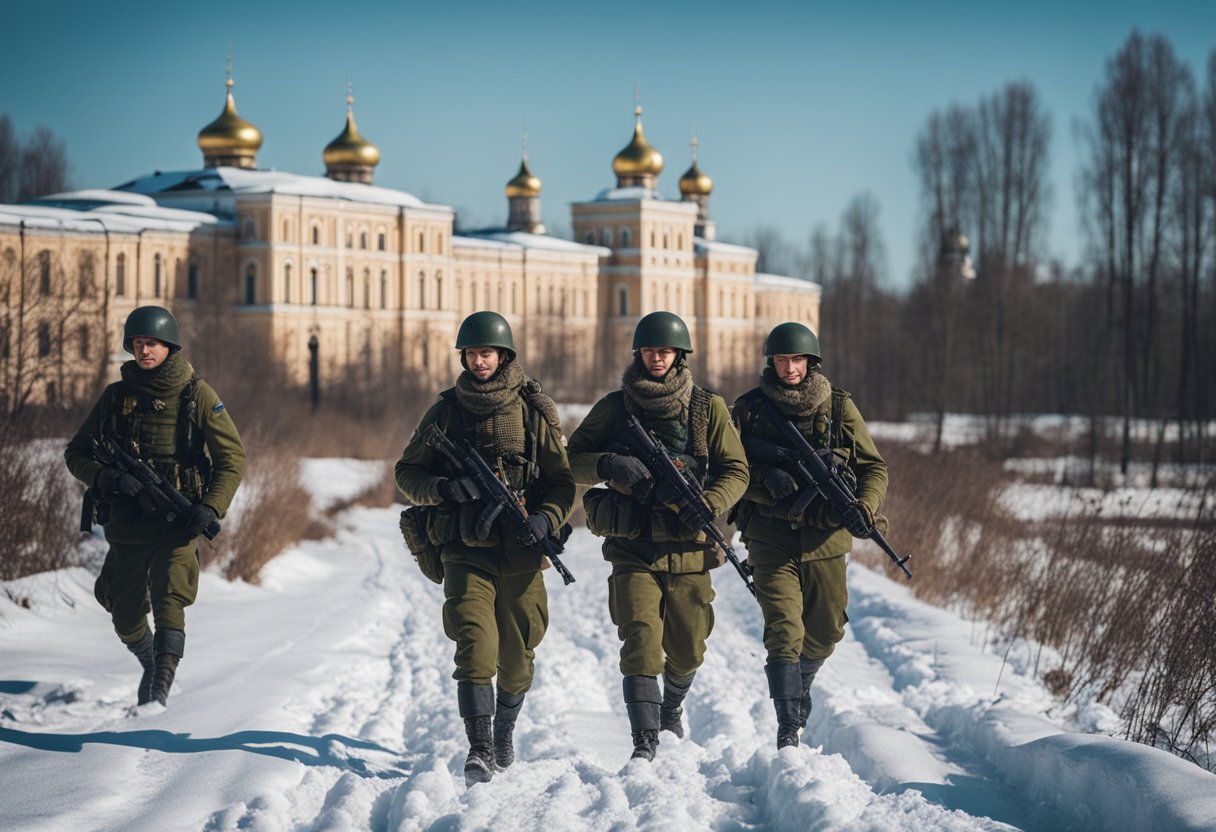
(688, 436)
(171, 443)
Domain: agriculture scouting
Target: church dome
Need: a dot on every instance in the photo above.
(639, 158)
(350, 149)
(695, 183)
(230, 135)
(525, 183)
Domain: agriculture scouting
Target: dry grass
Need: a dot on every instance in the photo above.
(38, 512)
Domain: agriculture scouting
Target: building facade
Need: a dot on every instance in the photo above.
(336, 270)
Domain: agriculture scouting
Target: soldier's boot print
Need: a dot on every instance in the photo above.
(169, 646)
(144, 651)
(785, 687)
(808, 669)
(671, 711)
(509, 705)
(477, 708)
(643, 701)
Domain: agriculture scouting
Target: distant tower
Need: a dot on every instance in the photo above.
(350, 157)
(696, 187)
(523, 198)
(230, 141)
(953, 257)
(639, 164)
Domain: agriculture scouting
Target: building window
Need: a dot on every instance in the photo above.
(421, 241)
(156, 276)
(248, 229)
(367, 288)
(312, 279)
(86, 274)
(350, 288)
(286, 283)
(439, 290)
(664, 239)
(626, 238)
(680, 240)
(422, 290)
(44, 339)
(652, 238)
(363, 239)
(192, 280)
(384, 289)
(589, 238)
(82, 336)
(622, 300)
(382, 241)
(316, 236)
(607, 238)
(350, 238)
(44, 272)
(251, 284)
(120, 275)
(287, 231)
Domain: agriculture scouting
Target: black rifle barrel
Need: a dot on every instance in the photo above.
(495, 491)
(688, 491)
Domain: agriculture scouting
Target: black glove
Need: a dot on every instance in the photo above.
(538, 528)
(858, 520)
(626, 471)
(112, 482)
(460, 490)
(690, 513)
(778, 482)
(201, 516)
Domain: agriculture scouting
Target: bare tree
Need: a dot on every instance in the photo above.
(44, 165)
(10, 159)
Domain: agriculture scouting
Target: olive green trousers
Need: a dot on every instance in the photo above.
(663, 620)
(803, 603)
(138, 578)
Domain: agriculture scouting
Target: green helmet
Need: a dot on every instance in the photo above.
(486, 329)
(792, 338)
(662, 329)
(151, 322)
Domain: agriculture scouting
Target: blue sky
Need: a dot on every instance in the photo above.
(798, 106)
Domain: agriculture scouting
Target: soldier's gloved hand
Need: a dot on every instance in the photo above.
(690, 513)
(858, 520)
(201, 516)
(460, 490)
(112, 482)
(622, 469)
(538, 528)
(778, 482)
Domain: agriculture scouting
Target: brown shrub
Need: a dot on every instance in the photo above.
(39, 509)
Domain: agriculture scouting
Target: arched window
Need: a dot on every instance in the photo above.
(381, 240)
(156, 276)
(383, 289)
(421, 241)
(622, 300)
(350, 288)
(120, 275)
(312, 277)
(363, 239)
(44, 272)
(251, 284)
(422, 290)
(287, 283)
(316, 235)
(606, 239)
(367, 288)
(438, 290)
(350, 237)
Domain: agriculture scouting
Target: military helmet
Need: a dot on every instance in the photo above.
(485, 329)
(662, 329)
(151, 322)
(792, 338)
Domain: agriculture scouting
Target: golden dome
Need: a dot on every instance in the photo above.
(694, 182)
(639, 158)
(229, 134)
(525, 183)
(350, 148)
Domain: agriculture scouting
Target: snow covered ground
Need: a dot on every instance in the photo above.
(323, 699)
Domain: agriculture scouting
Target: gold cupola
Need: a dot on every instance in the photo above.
(639, 163)
(523, 198)
(694, 182)
(350, 157)
(230, 141)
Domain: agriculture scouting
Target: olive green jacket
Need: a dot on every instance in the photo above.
(158, 439)
(823, 537)
(727, 480)
(422, 469)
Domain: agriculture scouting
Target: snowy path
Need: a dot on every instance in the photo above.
(323, 700)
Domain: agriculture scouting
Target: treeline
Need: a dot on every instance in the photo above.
(31, 167)
(992, 324)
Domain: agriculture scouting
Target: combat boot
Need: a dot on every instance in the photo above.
(476, 707)
(671, 711)
(643, 701)
(143, 650)
(785, 687)
(505, 715)
(808, 668)
(170, 646)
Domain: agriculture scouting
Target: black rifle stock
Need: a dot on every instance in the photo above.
(808, 465)
(494, 493)
(688, 491)
(168, 499)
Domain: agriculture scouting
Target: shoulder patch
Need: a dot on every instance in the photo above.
(218, 407)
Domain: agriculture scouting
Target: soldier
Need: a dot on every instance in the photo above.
(659, 593)
(165, 415)
(799, 561)
(495, 607)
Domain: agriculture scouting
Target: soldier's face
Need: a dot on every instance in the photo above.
(790, 368)
(658, 360)
(149, 353)
(482, 361)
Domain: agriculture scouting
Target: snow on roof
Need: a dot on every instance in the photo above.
(783, 283)
(702, 246)
(537, 241)
(632, 193)
(95, 210)
(241, 181)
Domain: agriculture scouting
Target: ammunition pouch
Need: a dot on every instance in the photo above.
(414, 524)
(469, 514)
(612, 514)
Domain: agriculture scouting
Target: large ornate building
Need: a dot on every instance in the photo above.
(371, 277)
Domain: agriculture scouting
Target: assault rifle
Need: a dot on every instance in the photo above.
(823, 481)
(500, 500)
(687, 490)
(169, 501)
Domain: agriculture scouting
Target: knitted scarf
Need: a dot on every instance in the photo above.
(799, 402)
(658, 398)
(160, 383)
(499, 428)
